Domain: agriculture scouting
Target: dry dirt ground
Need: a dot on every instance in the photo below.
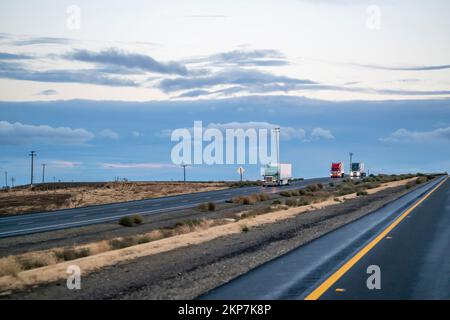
(44, 198)
(187, 272)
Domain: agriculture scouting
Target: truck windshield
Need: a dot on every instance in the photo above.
(355, 166)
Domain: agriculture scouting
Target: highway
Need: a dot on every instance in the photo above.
(408, 240)
(70, 218)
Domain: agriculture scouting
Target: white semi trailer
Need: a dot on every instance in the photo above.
(276, 175)
(358, 170)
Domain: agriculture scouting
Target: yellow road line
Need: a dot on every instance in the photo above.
(320, 290)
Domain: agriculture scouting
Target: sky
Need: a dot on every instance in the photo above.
(96, 87)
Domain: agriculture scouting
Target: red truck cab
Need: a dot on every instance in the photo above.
(337, 170)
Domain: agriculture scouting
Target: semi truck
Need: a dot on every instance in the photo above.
(357, 170)
(276, 175)
(337, 170)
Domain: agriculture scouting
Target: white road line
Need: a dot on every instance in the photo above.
(22, 223)
(75, 223)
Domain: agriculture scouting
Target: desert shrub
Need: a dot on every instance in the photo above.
(331, 184)
(203, 207)
(245, 228)
(211, 206)
(247, 201)
(68, 254)
(371, 185)
(263, 197)
(361, 193)
(320, 186)
(143, 239)
(302, 192)
(346, 189)
(126, 221)
(208, 206)
(276, 202)
(188, 223)
(304, 202)
(285, 194)
(291, 202)
(34, 261)
(236, 200)
(312, 188)
(410, 184)
(137, 219)
(295, 193)
(121, 243)
(421, 179)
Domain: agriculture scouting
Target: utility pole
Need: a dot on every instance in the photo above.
(12, 182)
(32, 155)
(184, 171)
(43, 173)
(6, 179)
(277, 140)
(351, 156)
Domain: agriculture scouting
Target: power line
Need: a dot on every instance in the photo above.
(184, 171)
(32, 155)
(43, 173)
(351, 156)
(277, 140)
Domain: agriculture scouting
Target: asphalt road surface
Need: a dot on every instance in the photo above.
(69, 218)
(407, 241)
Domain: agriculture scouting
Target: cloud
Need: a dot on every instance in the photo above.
(137, 165)
(194, 93)
(404, 135)
(18, 133)
(287, 133)
(109, 134)
(49, 92)
(114, 57)
(207, 16)
(136, 134)
(238, 76)
(41, 40)
(320, 133)
(13, 56)
(64, 164)
(89, 76)
(249, 58)
(405, 68)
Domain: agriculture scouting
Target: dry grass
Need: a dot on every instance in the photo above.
(35, 260)
(9, 266)
(24, 200)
